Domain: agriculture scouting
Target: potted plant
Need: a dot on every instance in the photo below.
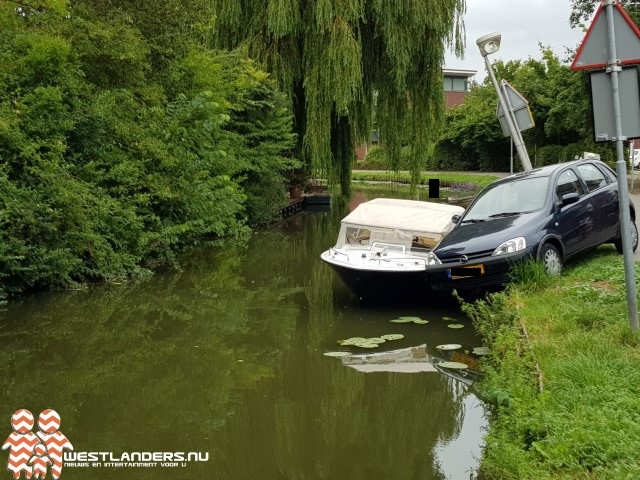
(296, 180)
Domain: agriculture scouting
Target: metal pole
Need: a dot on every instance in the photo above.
(631, 144)
(621, 169)
(511, 155)
(508, 114)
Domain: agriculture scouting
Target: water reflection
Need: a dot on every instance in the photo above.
(404, 360)
(226, 357)
(416, 360)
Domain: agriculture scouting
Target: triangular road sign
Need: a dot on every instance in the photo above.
(520, 107)
(514, 97)
(594, 49)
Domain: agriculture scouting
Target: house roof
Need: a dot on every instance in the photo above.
(452, 72)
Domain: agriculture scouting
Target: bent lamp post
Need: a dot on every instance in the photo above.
(489, 44)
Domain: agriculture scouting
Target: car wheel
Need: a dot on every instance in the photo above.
(634, 238)
(551, 258)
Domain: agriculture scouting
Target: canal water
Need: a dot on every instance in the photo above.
(219, 371)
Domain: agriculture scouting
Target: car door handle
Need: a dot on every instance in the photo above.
(589, 208)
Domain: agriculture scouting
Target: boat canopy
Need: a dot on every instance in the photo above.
(408, 215)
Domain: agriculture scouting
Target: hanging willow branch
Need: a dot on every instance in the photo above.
(338, 57)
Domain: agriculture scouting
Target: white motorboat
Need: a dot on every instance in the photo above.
(385, 244)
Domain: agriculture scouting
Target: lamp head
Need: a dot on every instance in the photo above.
(489, 43)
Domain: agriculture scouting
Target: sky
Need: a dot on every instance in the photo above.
(523, 24)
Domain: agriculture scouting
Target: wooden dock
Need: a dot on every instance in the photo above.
(296, 205)
(314, 197)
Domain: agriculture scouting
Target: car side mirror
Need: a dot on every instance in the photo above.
(570, 198)
(455, 219)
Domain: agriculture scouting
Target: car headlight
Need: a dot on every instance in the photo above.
(510, 246)
(432, 259)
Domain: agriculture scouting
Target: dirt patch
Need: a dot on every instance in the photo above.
(603, 286)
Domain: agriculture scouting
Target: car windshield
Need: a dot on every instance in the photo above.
(509, 199)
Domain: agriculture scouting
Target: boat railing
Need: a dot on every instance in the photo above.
(423, 261)
(381, 256)
(338, 252)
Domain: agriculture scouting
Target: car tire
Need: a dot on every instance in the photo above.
(551, 258)
(634, 235)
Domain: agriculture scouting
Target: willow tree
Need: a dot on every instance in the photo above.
(343, 60)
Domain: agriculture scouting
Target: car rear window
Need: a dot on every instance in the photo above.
(592, 176)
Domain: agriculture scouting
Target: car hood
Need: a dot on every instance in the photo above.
(473, 238)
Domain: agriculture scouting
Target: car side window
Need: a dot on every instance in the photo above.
(608, 174)
(567, 183)
(592, 176)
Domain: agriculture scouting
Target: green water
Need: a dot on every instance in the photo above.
(225, 359)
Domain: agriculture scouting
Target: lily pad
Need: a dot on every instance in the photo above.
(420, 321)
(448, 319)
(392, 336)
(351, 341)
(455, 325)
(481, 351)
(449, 346)
(337, 354)
(375, 340)
(367, 345)
(454, 365)
(410, 319)
(400, 320)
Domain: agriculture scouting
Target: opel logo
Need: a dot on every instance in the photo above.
(464, 259)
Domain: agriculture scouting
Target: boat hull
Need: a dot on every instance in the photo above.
(383, 247)
(382, 285)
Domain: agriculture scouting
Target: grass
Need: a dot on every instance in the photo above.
(447, 179)
(453, 185)
(564, 376)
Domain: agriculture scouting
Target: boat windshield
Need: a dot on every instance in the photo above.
(360, 236)
(509, 199)
(357, 236)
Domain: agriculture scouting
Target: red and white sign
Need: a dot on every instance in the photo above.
(594, 52)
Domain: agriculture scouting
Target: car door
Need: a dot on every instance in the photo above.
(575, 222)
(604, 195)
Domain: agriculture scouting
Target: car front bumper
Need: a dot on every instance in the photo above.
(482, 272)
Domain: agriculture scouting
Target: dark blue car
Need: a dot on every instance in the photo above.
(550, 213)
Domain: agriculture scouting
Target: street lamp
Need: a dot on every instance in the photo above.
(489, 44)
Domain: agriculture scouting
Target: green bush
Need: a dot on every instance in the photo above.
(376, 159)
(550, 154)
(606, 150)
(452, 157)
(104, 175)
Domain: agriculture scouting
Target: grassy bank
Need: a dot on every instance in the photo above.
(454, 185)
(447, 179)
(564, 375)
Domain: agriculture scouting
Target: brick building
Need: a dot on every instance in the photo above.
(456, 85)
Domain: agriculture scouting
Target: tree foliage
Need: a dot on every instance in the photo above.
(337, 58)
(582, 11)
(123, 140)
(559, 101)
